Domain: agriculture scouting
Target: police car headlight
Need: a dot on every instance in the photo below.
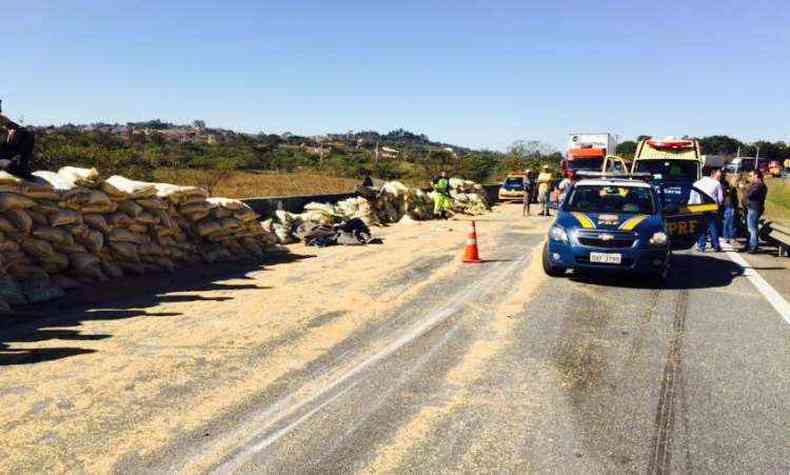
(659, 239)
(558, 234)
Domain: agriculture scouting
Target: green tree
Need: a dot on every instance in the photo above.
(479, 166)
(531, 149)
(438, 161)
(386, 170)
(720, 145)
(626, 149)
(771, 150)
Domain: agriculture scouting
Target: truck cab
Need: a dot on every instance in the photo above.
(587, 151)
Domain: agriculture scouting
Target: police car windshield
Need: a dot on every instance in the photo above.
(514, 181)
(610, 199)
(669, 170)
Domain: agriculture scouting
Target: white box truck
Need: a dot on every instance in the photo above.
(586, 151)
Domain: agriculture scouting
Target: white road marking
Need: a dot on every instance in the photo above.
(774, 298)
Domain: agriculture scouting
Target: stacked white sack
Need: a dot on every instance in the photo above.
(70, 228)
(392, 203)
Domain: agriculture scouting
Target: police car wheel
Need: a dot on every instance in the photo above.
(548, 268)
(663, 275)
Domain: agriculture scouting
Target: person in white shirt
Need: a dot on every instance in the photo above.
(711, 186)
(565, 185)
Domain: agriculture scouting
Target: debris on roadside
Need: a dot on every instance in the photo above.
(353, 232)
(70, 228)
(394, 202)
(468, 197)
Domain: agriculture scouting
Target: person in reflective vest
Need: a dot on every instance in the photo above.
(441, 197)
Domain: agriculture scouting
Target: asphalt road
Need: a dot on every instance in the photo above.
(416, 364)
(497, 368)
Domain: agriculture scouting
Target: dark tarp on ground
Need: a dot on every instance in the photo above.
(353, 232)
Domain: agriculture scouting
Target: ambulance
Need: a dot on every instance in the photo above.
(673, 166)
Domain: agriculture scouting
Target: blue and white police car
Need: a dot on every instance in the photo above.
(616, 223)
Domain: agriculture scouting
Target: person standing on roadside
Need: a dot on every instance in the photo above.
(529, 186)
(755, 206)
(544, 189)
(565, 185)
(711, 186)
(441, 200)
(730, 210)
(16, 151)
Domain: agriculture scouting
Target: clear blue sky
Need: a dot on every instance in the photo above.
(476, 73)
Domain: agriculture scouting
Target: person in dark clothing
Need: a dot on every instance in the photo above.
(730, 206)
(17, 150)
(367, 189)
(529, 187)
(755, 206)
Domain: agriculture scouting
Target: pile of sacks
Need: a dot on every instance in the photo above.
(67, 229)
(468, 197)
(392, 203)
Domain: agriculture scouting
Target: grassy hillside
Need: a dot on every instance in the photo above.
(777, 206)
(231, 163)
(238, 184)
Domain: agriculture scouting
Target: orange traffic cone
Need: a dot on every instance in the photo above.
(471, 255)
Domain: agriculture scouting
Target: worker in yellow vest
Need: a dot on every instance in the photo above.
(441, 198)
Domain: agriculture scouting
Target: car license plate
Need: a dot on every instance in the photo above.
(605, 258)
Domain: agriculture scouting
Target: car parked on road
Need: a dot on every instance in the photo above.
(512, 188)
(618, 224)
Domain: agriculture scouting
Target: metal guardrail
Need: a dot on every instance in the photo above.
(780, 235)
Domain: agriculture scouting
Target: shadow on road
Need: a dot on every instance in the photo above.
(119, 299)
(689, 271)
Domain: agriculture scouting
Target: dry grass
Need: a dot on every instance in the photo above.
(777, 206)
(257, 184)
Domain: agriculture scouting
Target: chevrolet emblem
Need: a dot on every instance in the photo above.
(605, 237)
